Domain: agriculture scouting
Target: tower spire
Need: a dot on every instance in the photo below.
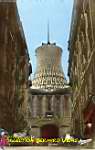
(48, 34)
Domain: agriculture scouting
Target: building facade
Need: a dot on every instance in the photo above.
(82, 67)
(14, 69)
(50, 112)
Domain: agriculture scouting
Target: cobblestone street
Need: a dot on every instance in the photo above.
(45, 148)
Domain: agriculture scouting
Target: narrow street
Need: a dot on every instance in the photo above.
(47, 74)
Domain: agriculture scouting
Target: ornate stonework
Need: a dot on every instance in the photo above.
(82, 66)
(49, 96)
(49, 73)
(47, 109)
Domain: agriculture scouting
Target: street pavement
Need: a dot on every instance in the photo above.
(44, 148)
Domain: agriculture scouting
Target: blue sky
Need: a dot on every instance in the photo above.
(35, 14)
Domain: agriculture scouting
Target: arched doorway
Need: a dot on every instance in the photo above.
(49, 131)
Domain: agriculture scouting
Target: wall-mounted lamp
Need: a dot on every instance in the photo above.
(89, 125)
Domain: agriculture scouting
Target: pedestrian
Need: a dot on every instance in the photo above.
(3, 139)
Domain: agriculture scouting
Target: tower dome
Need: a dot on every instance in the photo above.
(49, 73)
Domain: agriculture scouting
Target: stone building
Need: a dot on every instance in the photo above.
(82, 67)
(50, 112)
(14, 69)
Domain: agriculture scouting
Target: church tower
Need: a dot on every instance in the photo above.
(49, 73)
(49, 95)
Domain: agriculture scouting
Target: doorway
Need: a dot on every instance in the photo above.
(49, 131)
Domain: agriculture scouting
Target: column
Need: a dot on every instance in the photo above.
(61, 106)
(44, 105)
(52, 103)
(34, 106)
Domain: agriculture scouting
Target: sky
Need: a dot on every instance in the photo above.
(35, 15)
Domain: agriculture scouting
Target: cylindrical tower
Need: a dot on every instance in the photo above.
(49, 73)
